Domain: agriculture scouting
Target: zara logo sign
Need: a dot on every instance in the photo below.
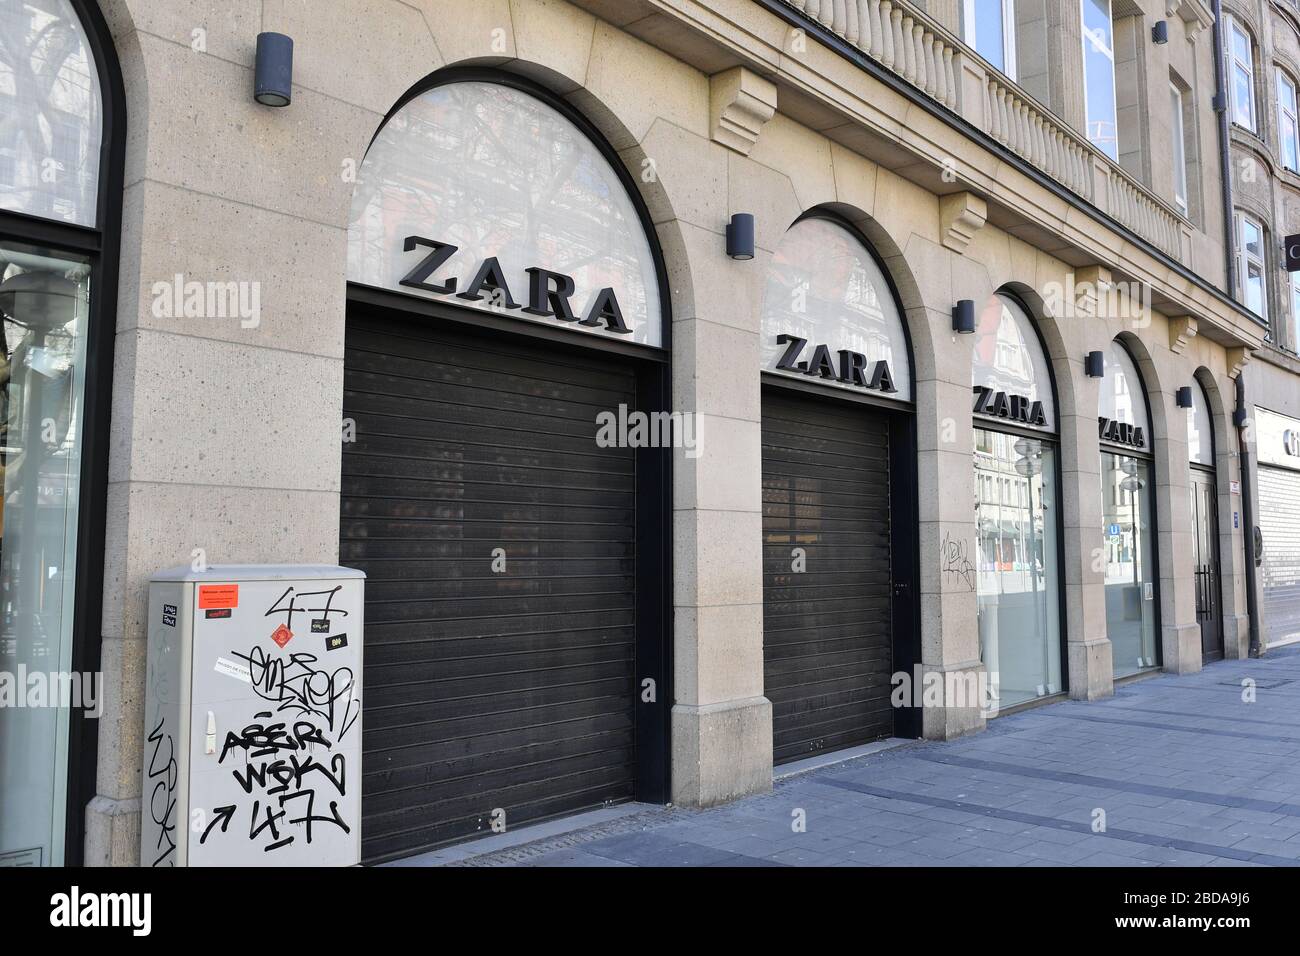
(1120, 433)
(1016, 408)
(548, 292)
(851, 370)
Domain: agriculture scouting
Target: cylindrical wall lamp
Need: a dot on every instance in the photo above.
(1160, 31)
(740, 236)
(273, 70)
(963, 316)
(1094, 365)
(1184, 396)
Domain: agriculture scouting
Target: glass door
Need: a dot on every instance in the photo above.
(1130, 568)
(1017, 566)
(1205, 540)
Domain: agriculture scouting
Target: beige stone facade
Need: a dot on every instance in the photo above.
(964, 182)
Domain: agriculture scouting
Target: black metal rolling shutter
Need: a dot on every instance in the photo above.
(487, 690)
(1279, 522)
(827, 634)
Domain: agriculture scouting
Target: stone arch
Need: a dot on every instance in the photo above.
(614, 138)
(911, 303)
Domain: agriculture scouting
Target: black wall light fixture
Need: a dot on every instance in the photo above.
(1184, 396)
(740, 236)
(1094, 365)
(963, 316)
(273, 70)
(1160, 31)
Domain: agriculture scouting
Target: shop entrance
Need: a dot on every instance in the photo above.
(828, 573)
(1205, 544)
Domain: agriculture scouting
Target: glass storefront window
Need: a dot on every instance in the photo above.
(1129, 572)
(1017, 566)
(44, 300)
(51, 113)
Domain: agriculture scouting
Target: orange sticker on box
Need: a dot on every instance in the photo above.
(218, 595)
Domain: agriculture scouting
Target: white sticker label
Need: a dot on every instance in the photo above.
(1146, 594)
(235, 669)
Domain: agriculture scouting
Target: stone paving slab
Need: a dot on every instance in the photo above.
(1171, 771)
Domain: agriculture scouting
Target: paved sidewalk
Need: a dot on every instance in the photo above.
(1185, 772)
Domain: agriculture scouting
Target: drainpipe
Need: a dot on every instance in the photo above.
(1225, 159)
(1239, 419)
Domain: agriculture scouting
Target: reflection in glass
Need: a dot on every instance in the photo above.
(1099, 76)
(499, 173)
(51, 114)
(1016, 566)
(1130, 578)
(1008, 357)
(44, 301)
(824, 286)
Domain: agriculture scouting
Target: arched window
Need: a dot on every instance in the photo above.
(1128, 515)
(1016, 514)
(1200, 430)
(825, 289)
(532, 210)
(61, 148)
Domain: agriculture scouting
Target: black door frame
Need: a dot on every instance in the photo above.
(1213, 582)
(100, 245)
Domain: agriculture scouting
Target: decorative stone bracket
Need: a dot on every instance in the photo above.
(1238, 359)
(960, 216)
(1182, 329)
(740, 103)
(1092, 286)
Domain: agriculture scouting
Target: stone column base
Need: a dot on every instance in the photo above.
(1182, 649)
(113, 832)
(721, 751)
(1236, 636)
(962, 711)
(1091, 669)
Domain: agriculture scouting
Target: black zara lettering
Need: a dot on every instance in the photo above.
(1015, 408)
(851, 369)
(1120, 433)
(548, 292)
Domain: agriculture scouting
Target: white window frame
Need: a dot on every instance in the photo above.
(1180, 148)
(1245, 260)
(1110, 55)
(1287, 114)
(1009, 66)
(1247, 66)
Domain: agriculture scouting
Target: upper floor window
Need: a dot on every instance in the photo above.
(1180, 150)
(990, 27)
(1241, 75)
(1288, 130)
(1250, 264)
(1099, 76)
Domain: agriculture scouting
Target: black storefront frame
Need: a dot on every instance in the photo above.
(904, 507)
(1053, 438)
(100, 246)
(1104, 447)
(654, 474)
(1217, 586)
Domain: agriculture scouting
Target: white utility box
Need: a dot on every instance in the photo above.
(252, 750)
